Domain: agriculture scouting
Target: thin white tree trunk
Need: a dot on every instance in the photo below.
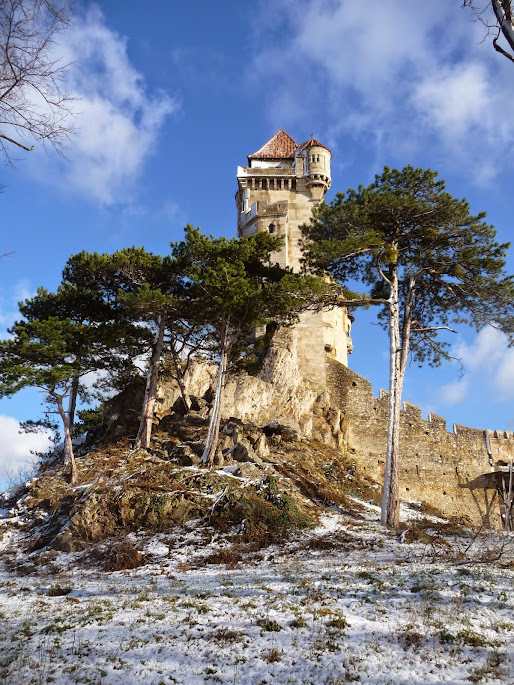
(152, 380)
(211, 441)
(399, 352)
(506, 27)
(69, 457)
(390, 512)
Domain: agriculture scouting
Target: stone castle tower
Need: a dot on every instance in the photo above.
(277, 192)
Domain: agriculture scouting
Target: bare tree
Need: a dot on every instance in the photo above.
(34, 104)
(496, 16)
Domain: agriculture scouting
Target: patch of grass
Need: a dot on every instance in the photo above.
(504, 625)
(298, 622)
(267, 625)
(338, 622)
(446, 637)
(58, 591)
(411, 638)
(273, 656)
(226, 635)
(471, 638)
(366, 575)
(493, 669)
(57, 626)
(230, 556)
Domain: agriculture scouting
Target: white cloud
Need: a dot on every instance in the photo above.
(9, 298)
(411, 75)
(504, 377)
(16, 447)
(117, 120)
(453, 393)
(457, 99)
(488, 364)
(487, 350)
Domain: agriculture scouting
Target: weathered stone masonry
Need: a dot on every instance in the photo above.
(434, 461)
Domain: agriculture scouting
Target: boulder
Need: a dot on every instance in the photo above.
(287, 433)
(199, 403)
(169, 422)
(179, 406)
(243, 452)
(184, 455)
(261, 447)
(65, 542)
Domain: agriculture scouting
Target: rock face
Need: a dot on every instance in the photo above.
(279, 394)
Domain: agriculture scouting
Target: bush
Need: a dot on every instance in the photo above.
(118, 555)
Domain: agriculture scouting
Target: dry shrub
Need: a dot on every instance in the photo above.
(335, 541)
(230, 556)
(263, 513)
(225, 635)
(117, 555)
(58, 591)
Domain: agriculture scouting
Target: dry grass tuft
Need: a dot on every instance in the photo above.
(229, 556)
(117, 555)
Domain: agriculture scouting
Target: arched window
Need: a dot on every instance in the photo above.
(272, 228)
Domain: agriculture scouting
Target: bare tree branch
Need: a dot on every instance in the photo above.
(34, 103)
(499, 23)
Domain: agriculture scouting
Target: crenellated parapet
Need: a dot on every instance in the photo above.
(500, 445)
(436, 463)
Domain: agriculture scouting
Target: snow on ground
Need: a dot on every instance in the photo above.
(346, 602)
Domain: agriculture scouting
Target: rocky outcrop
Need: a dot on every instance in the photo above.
(267, 480)
(279, 394)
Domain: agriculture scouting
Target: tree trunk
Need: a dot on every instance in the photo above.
(73, 401)
(390, 513)
(144, 432)
(211, 442)
(69, 457)
(503, 21)
(179, 376)
(399, 352)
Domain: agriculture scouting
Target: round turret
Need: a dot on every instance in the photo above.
(317, 164)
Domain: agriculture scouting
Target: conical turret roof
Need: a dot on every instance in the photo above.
(281, 146)
(312, 142)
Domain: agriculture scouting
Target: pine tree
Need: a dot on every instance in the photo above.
(426, 260)
(145, 289)
(234, 288)
(63, 337)
(40, 355)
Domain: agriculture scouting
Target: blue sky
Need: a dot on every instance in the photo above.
(173, 98)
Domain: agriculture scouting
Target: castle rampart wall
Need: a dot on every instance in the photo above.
(435, 463)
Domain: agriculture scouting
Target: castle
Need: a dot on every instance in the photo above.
(277, 192)
(462, 472)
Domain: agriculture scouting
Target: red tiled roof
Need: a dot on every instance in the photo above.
(311, 143)
(281, 146)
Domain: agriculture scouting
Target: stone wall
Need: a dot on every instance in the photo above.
(435, 463)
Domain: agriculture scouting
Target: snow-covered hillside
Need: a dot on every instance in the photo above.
(347, 601)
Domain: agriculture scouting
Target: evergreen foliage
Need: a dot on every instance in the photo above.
(111, 309)
(234, 287)
(426, 259)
